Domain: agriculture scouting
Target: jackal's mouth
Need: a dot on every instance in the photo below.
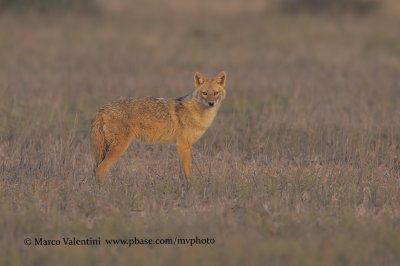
(209, 104)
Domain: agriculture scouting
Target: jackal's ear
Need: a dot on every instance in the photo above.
(199, 79)
(220, 78)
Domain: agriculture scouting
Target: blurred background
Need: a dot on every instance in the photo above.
(67, 49)
(305, 148)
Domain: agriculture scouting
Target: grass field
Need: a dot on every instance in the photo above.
(300, 167)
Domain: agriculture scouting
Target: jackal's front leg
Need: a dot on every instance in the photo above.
(184, 158)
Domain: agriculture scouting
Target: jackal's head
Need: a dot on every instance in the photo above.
(210, 93)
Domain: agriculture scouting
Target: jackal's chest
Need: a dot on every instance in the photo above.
(206, 118)
(201, 124)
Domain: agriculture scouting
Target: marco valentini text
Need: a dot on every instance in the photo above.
(67, 241)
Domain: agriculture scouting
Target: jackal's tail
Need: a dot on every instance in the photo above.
(98, 140)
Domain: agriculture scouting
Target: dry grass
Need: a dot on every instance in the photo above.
(301, 166)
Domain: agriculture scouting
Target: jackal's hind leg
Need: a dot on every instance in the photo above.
(114, 151)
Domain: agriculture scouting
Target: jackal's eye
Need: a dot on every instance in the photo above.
(204, 93)
(216, 93)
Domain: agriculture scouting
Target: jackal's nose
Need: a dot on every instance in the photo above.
(211, 103)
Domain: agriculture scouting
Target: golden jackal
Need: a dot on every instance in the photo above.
(182, 120)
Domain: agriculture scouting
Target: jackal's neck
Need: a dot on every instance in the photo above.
(204, 115)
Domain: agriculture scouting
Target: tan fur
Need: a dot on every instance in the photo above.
(152, 120)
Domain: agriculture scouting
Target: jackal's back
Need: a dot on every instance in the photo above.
(146, 119)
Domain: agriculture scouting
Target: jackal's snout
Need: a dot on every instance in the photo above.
(211, 100)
